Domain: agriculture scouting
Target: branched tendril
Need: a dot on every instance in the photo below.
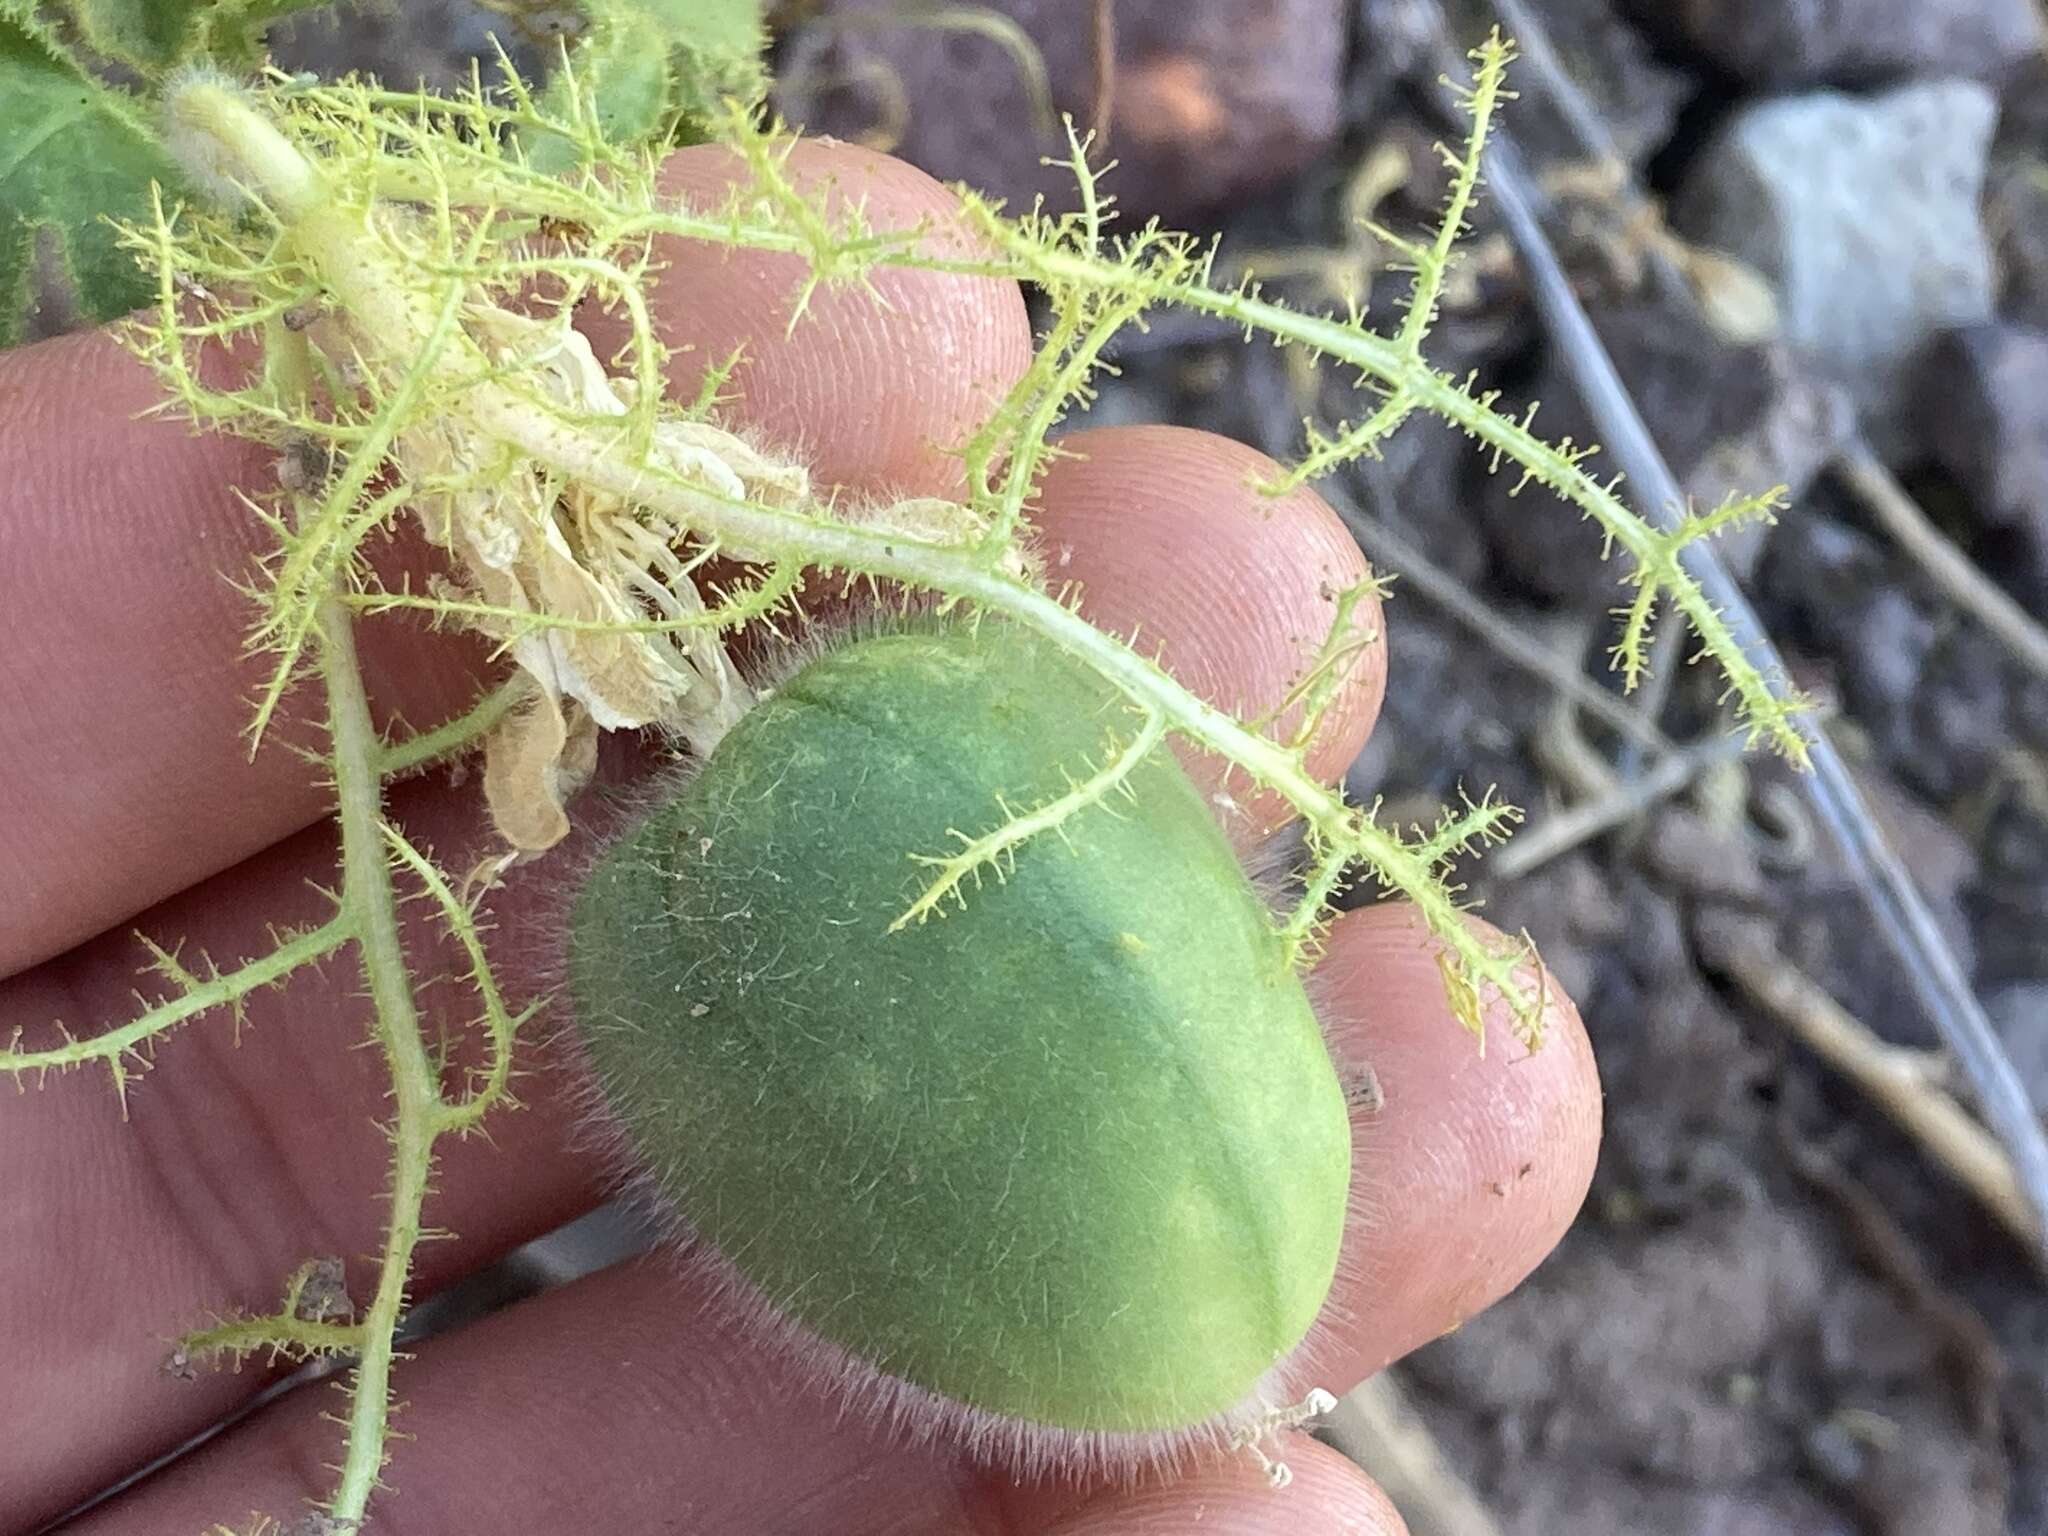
(996, 851)
(126, 1049)
(313, 1320)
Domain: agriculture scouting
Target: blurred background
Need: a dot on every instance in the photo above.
(1806, 1297)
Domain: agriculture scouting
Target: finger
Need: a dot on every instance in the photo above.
(1325, 1493)
(244, 1153)
(124, 756)
(1475, 1165)
(1328, 1494)
(240, 1107)
(126, 762)
(876, 386)
(240, 1163)
(1170, 540)
(615, 1404)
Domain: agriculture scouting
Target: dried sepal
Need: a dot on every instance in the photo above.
(534, 762)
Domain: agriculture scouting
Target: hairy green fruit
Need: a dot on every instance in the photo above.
(1071, 1155)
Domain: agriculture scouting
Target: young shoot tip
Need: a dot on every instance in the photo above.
(229, 146)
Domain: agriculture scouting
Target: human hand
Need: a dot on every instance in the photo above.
(613, 1403)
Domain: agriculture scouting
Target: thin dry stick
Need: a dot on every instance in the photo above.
(1377, 1427)
(1604, 799)
(1972, 1348)
(1897, 1080)
(1104, 45)
(1624, 802)
(978, 20)
(1887, 887)
(1561, 750)
(1389, 551)
(1946, 566)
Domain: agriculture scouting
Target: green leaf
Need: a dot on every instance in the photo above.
(230, 33)
(147, 35)
(154, 36)
(74, 152)
(718, 55)
(653, 71)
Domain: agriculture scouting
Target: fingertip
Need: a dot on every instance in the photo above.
(1479, 1155)
(1170, 538)
(877, 384)
(1325, 1492)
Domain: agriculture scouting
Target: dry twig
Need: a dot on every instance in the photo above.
(1898, 1081)
(1971, 1347)
(1622, 802)
(1103, 46)
(1377, 1427)
(1946, 566)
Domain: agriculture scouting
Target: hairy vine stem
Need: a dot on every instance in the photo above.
(296, 192)
(372, 903)
(122, 1049)
(442, 362)
(1395, 364)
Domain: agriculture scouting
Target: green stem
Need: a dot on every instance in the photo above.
(280, 1336)
(194, 998)
(344, 244)
(499, 1023)
(464, 731)
(249, 146)
(1393, 362)
(392, 314)
(372, 904)
(965, 573)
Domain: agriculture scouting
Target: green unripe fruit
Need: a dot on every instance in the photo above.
(1073, 1154)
